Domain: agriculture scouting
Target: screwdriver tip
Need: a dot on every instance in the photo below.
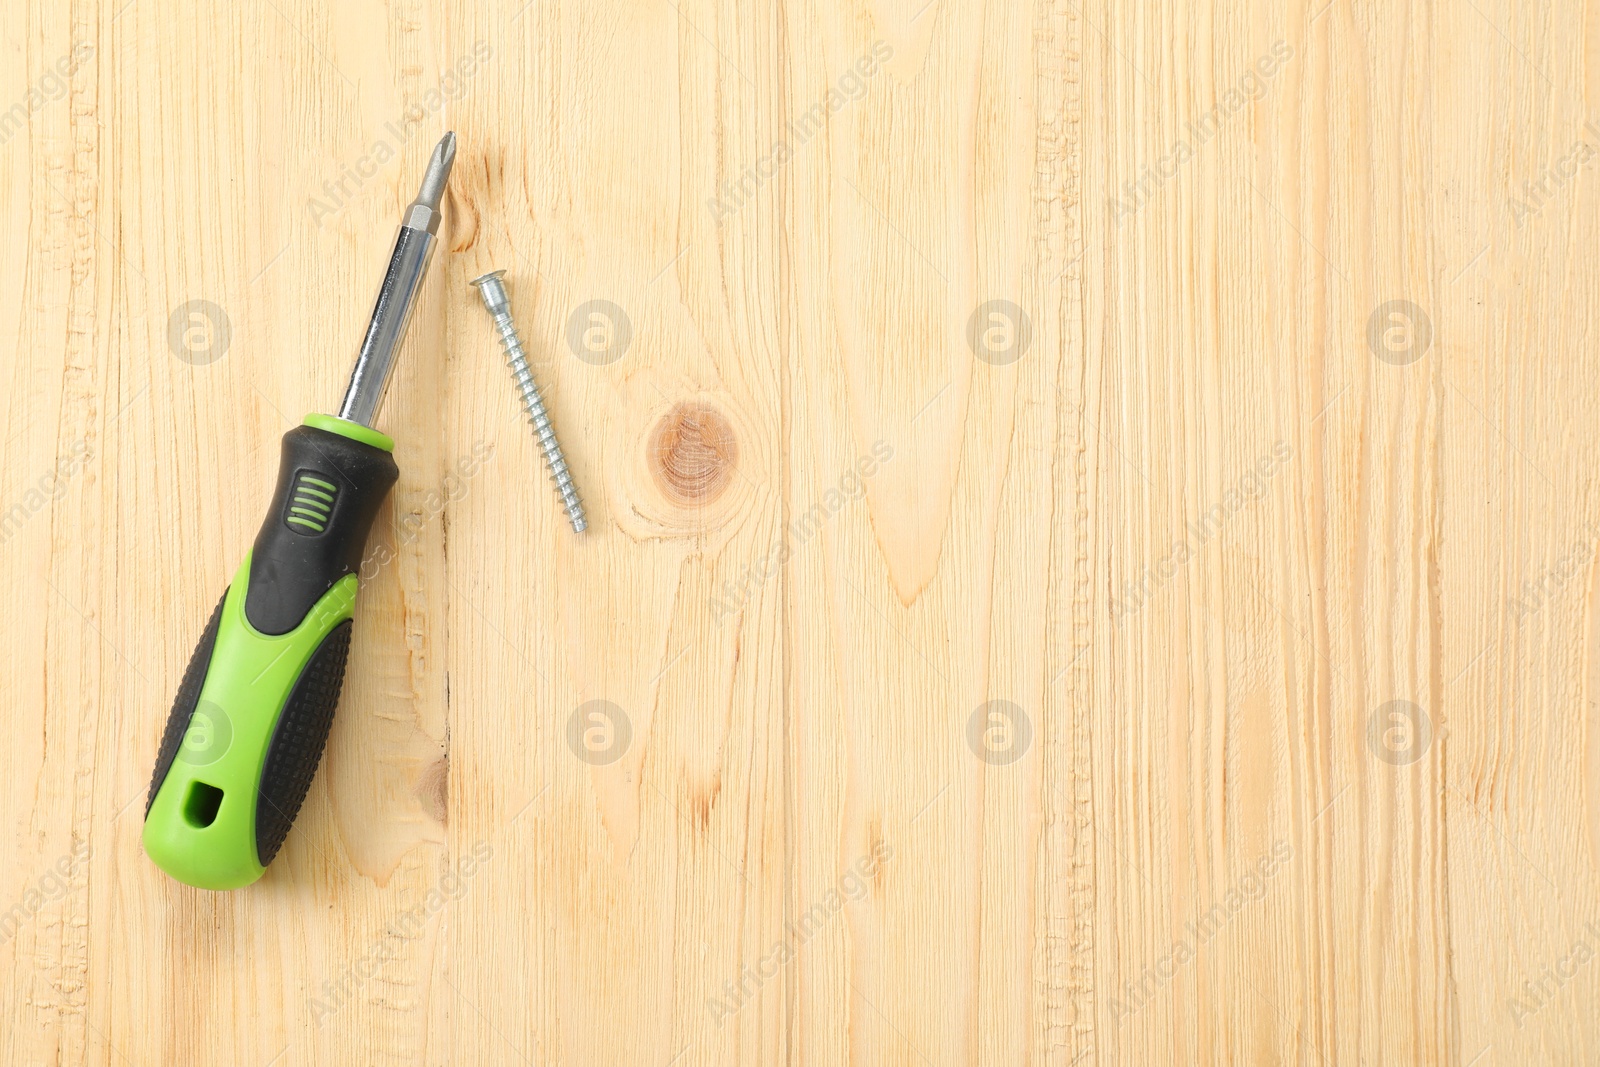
(433, 182)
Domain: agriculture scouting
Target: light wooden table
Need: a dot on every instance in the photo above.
(1093, 550)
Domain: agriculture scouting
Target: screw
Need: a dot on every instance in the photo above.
(498, 301)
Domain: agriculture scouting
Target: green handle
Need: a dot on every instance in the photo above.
(253, 711)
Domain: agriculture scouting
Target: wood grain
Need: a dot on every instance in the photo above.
(1092, 551)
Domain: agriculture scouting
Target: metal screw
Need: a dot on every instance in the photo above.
(498, 301)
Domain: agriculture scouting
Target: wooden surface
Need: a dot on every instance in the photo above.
(1205, 674)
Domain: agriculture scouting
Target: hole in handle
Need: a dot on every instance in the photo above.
(201, 805)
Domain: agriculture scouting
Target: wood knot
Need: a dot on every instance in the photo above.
(433, 789)
(693, 465)
(693, 453)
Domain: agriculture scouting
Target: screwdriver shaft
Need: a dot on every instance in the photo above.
(397, 296)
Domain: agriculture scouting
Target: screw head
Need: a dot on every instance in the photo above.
(493, 291)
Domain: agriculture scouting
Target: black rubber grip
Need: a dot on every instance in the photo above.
(329, 490)
(194, 676)
(298, 741)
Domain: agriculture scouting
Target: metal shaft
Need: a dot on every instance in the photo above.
(498, 301)
(402, 281)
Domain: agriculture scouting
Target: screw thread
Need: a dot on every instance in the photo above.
(539, 419)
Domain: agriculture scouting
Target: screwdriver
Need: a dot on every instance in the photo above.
(255, 704)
